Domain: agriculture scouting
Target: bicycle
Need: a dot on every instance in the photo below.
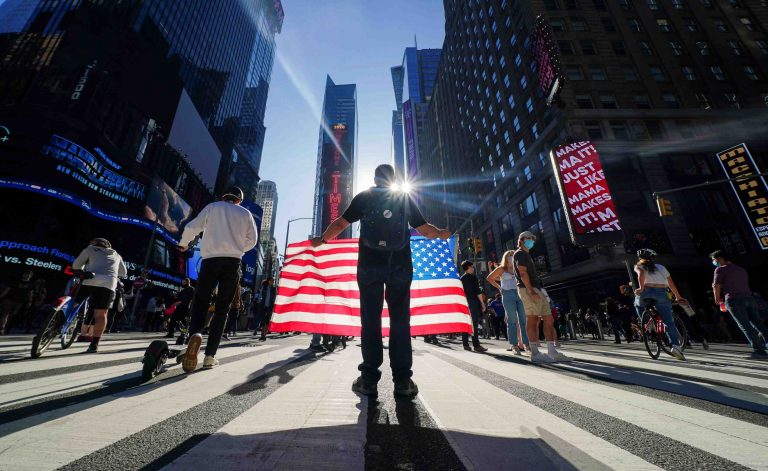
(64, 320)
(654, 331)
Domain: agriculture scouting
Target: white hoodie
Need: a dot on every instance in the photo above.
(107, 264)
(228, 230)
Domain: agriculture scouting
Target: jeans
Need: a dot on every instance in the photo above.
(663, 306)
(744, 311)
(476, 311)
(513, 306)
(371, 280)
(223, 272)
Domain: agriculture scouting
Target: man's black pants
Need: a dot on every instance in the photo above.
(179, 315)
(223, 272)
(372, 281)
(476, 309)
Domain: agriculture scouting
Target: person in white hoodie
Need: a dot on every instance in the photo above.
(107, 265)
(228, 232)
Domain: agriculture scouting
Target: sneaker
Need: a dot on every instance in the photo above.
(480, 349)
(467, 348)
(360, 386)
(677, 353)
(516, 350)
(92, 349)
(317, 348)
(541, 358)
(210, 362)
(189, 363)
(557, 356)
(406, 389)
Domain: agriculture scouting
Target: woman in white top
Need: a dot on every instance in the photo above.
(654, 280)
(503, 279)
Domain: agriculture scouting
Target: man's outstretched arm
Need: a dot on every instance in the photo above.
(333, 230)
(431, 232)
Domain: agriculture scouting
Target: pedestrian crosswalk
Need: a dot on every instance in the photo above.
(275, 405)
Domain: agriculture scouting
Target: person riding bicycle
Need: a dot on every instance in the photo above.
(654, 279)
(107, 265)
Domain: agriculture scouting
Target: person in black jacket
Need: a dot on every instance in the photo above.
(263, 314)
(184, 298)
(476, 304)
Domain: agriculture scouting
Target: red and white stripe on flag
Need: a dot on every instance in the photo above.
(318, 293)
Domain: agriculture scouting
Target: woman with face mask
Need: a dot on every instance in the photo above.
(503, 279)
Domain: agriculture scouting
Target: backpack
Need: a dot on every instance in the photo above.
(384, 225)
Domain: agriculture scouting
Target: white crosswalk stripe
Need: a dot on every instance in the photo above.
(282, 408)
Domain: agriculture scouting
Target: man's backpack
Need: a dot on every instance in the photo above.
(384, 225)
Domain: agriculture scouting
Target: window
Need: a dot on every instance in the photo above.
(608, 25)
(677, 48)
(619, 129)
(579, 25)
(518, 61)
(574, 72)
(678, 4)
(747, 23)
(736, 48)
(608, 101)
(558, 25)
(703, 101)
(528, 173)
(689, 73)
(718, 72)
(635, 25)
(521, 146)
(733, 102)
(618, 48)
(511, 159)
(584, 101)
(652, 4)
(664, 25)
(594, 129)
(498, 96)
(751, 72)
(645, 48)
(535, 131)
(511, 101)
(529, 105)
(690, 25)
(506, 137)
(642, 102)
(523, 82)
(763, 45)
(516, 123)
(507, 83)
(502, 61)
(630, 73)
(657, 73)
(670, 99)
(566, 47)
(597, 73)
(587, 47)
(721, 26)
(703, 47)
(528, 205)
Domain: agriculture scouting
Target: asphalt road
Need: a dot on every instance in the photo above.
(276, 405)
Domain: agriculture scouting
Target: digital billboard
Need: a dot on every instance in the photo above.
(585, 194)
(336, 170)
(751, 191)
(411, 144)
(167, 208)
(547, 59)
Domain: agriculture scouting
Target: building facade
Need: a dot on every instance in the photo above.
(266, 197)
(336, 156)
(413, 82)
(120, 117)
(658, 87)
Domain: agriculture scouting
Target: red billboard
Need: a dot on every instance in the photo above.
(547, 61)
(584, 191)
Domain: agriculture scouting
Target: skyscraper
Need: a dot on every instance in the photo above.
(413, 82)
(659, 88)
(336, 155)
(266, 197)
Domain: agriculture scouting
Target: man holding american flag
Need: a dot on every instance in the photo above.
(384, 260)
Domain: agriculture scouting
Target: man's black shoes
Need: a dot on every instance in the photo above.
(406, 389)
(317, 348)
(365, 388)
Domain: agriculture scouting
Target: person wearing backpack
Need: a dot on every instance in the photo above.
(384, 260)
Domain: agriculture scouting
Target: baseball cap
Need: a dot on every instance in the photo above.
(526, 235)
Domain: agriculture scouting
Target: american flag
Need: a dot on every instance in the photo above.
(318, 290)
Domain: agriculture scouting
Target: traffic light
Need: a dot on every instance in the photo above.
(664, 205)
(478, 245)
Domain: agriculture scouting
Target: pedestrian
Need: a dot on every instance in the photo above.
(534, 301)
(107, 265)
(234, 314)
(503, 278)
(179, 317)
(16, 299)
(150, 311)
(474, 297)
(731, 286)
(497, 313)
(654, 280)
(159, 317)
(228, 232)
(384, 260)
(118, 309)
(612, 309)
(267, 295)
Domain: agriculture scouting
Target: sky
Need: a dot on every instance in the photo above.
(353, 41)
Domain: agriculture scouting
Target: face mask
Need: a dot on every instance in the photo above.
(529, 244)
(714, 262)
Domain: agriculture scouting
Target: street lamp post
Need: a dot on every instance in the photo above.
(287, 233)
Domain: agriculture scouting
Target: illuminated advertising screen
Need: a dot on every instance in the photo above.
(411, 145)
(250, 258)
(336, 171)
(167, 207)
(547, 61)
(751, 191)
(585, 193)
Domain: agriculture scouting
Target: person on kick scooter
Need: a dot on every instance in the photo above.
(228, 232)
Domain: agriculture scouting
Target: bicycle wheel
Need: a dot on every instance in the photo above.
(69, 334)
(650, 337)
(682, 331)
(46, 334)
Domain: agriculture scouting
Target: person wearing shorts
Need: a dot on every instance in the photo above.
(107, 266)
(535, 302)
